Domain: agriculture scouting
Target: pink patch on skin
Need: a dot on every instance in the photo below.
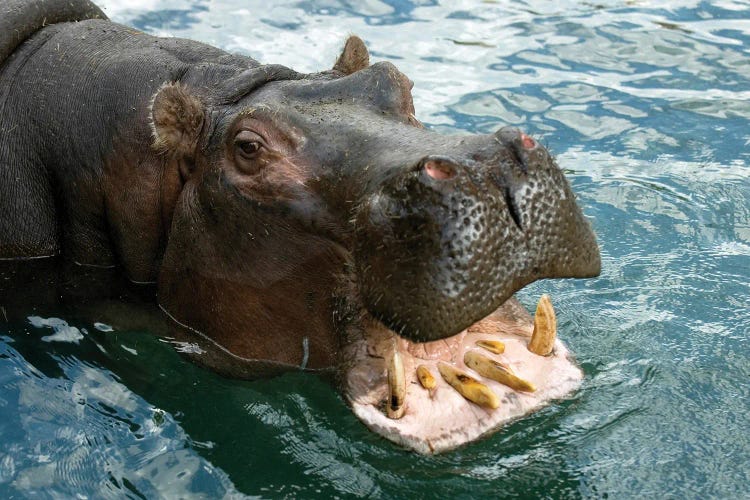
(439, 170)
(527, 141)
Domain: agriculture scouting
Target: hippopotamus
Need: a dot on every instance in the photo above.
(293, 221)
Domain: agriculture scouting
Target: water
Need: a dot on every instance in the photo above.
(646, 106)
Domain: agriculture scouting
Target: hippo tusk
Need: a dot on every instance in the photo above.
(396, 386)
(425, 378)
(498, 372)
(469, 387)
(545, 328)
(494, 346)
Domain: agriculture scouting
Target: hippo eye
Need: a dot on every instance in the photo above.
(249, 149)
(248, 144)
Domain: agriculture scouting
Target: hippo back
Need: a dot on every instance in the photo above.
(19, 19)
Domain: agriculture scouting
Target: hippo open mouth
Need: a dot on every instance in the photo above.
(293, 220)
(435, 396)
(374, 246)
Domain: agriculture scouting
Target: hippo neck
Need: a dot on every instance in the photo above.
(101, 195)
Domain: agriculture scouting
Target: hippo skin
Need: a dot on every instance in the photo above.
(289, 220)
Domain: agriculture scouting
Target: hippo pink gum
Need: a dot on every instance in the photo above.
(436, 417)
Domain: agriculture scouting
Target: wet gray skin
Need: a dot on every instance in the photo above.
(443, 229)
(283, 214)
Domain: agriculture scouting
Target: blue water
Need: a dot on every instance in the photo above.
(647, 107)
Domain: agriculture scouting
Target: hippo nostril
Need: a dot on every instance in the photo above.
(527, 142)
(519, 145)
(439, 170)
(510, 202)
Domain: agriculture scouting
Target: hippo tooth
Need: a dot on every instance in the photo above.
(426, 378)
(469, 387)
(498, 372)
(545, 328)
(494, 346)
(397, 386)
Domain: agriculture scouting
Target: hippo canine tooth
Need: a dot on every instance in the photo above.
(469, 387)
(496, 371)
(425, 378)
(545, 328)
(396, 387)
(494, 346)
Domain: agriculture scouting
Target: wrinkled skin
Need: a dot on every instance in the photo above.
(287, 218)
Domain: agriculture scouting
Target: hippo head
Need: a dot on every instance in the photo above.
(318, 224)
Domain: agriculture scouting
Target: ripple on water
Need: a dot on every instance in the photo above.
(85, 433)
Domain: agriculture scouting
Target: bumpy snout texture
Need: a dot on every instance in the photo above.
(444, 244)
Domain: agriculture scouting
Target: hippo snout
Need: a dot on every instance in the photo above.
(447, 241)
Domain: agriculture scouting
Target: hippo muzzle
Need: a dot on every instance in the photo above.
(447, 242)
(439, 250)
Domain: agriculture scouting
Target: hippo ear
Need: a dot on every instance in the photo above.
(354, 57)
(176, 120)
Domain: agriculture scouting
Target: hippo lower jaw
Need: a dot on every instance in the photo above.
(431, 415)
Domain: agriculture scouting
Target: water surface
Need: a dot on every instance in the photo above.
(647, 107)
